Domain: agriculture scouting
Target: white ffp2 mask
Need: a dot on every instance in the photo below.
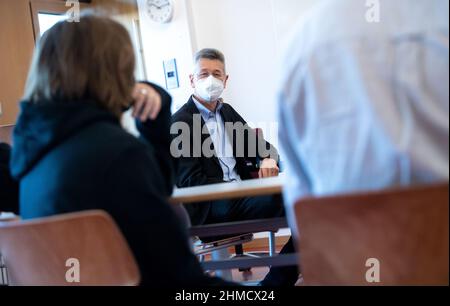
(209, 89)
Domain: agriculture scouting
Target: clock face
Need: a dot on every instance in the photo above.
(160, 11)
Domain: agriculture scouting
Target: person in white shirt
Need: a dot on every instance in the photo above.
(364, 97)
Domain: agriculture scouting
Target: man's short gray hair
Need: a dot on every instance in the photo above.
(209, 53)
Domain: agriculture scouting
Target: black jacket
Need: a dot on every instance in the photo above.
(9, 189)
(194, 171)
(74, 156)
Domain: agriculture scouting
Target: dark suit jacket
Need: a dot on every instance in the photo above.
(194, 171)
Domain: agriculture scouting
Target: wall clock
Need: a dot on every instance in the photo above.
(160, 11)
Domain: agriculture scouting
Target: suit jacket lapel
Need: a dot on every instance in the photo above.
(194, 110)
(228, 117)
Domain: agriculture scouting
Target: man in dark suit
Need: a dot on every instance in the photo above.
(213, 144)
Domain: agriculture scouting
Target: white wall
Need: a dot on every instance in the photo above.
(244, 31)
(249, 32)
(166, 41)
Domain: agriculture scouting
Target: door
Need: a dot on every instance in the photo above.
(16, 49)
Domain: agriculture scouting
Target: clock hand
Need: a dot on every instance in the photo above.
(167, 3)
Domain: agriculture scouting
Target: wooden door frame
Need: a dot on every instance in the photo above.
(57, 7)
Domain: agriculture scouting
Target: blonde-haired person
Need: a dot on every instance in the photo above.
(70, 152)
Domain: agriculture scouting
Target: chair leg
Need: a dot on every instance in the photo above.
(3, 273)
(222, 254)
(239, 249)
(272, 250)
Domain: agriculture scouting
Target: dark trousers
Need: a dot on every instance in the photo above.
(251, 208)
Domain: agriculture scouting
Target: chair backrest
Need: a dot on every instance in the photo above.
(49, 251)
(406, 231)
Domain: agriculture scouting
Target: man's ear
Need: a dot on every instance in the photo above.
(191, 78)
(225, 82)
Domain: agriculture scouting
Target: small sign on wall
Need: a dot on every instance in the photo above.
(171, 74)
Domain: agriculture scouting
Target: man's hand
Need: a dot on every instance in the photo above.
(147, 102)
(268, 168)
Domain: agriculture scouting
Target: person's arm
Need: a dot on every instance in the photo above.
(298, 181)
(149, 224)
(191, 173)
(156, 133)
